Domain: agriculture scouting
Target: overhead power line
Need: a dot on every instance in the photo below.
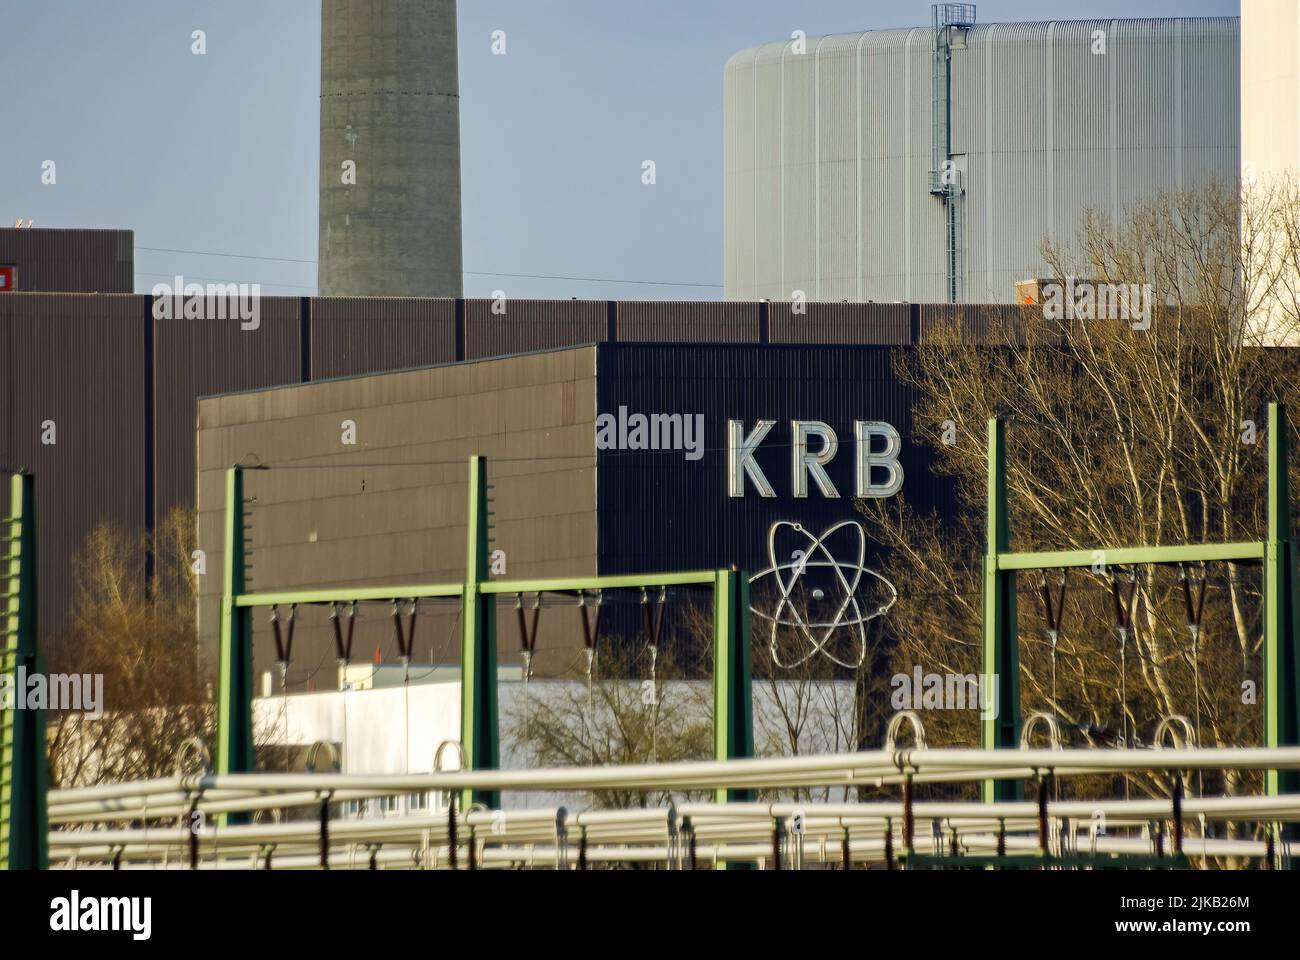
(547, 276)
(471, 273)
(260, 283)
(236, 256)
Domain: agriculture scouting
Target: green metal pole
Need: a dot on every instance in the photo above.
(1000, 653)
(235, 681)
(733, 713)
(1281, 654)
(24, 774)
(479, 735)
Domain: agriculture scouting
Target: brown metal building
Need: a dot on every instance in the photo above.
(366, 483)
(362, 481)
(68, 261)
(119, 386)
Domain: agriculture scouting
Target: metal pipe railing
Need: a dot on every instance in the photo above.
(718, 830)
(856, 768)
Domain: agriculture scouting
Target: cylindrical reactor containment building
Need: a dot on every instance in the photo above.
(929, 166)
(389, 149)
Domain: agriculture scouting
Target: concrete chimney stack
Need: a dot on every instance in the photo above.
(389, 149)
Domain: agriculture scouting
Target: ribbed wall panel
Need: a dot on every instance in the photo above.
(1082, 160)
(532, 325)
(1043, 127)
(856, 323)
(1211, 138)
(195, 358)
(661, 511)
(391, 507)
(923, 226)
(74, 364)
(799, 170)
(84, 361)
(70, 261)
(974, 323)
(688, 321)
(836, 169)
(893, 148)
(351, 335)
(767, 281)
(738, 153)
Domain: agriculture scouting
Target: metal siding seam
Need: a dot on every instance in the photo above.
(781, 138)
(1051, 129)
(304, 339)
(599, 363)
(817, 169)
(907, 166)
(1114, 140)
(962, 238)
(989, 96)
(150, 428)
(1178, 104)
(754, 124)
(857, 182)
(459, 332)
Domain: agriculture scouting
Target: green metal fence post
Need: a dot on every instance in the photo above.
(733, 714)
(1000, 654)
(235, 680)
(24, 776)
(479, 733)
(1281, 654)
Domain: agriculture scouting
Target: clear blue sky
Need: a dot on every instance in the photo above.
(219, 152)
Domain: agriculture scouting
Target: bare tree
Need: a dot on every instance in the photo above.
(623, 716)
(1138, 426)
(138, 632)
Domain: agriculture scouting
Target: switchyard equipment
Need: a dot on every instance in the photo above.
(22, 730)
(1277, 553)
(477, 595)
(734, 828)
(153, 824)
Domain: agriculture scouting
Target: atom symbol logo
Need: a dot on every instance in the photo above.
(845, 578)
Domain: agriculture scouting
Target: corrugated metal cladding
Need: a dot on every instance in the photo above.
(193, 358)
(532, 325)
(971, 323)
(865, 323)
(390, 508)
(70, 261)
(353, 335)
(696, 321)
(660, 510)
(827, 153)
(74, 414)
(167, 364)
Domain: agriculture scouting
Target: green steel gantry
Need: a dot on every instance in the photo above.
(733, 722)
(23, 771)
(1000, 651)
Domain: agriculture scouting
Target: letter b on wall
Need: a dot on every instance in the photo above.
(872, 463)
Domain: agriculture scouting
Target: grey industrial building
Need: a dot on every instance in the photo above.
(836, 149)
